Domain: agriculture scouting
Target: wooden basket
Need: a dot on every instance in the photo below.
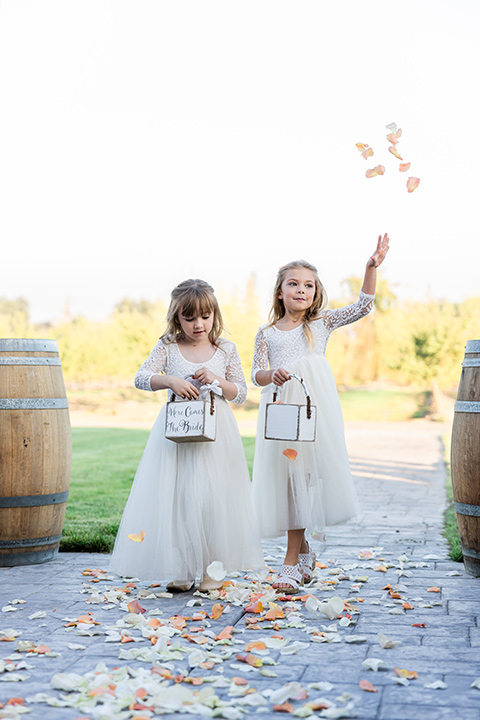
(291, 421)
(191, 420)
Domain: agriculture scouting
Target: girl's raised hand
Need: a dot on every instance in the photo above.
(183, 388)
(379, 255)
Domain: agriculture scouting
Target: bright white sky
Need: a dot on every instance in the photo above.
(147, 141)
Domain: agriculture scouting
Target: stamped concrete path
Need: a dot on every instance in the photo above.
(409, 620)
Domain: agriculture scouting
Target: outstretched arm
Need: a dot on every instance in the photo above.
(370, 279)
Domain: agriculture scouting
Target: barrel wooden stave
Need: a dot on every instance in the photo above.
(465, 458)
(35, 452)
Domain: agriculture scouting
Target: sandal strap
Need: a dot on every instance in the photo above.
(290, 575)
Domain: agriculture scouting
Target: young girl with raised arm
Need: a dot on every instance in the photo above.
(191, 499)
(316, 488)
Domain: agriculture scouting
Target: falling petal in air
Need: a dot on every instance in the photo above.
(373, 172)
(412, 183)
(365, 149)
(395, 152)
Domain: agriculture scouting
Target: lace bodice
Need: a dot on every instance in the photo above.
(276, 348)
(167, 358)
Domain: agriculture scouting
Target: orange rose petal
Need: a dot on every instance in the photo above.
(373, 172)
(239, 681)
(15, 701)
(154, 623)
(255, 645)
(274, 614)
(412, 183)
(409, 674)
(137, 537)
(126, 639)
(407, 606)
(255, 607)
(393, 137)
(365, 149)
(421, 625)
(217, 611)
(207, 665)
(290, 454)
(286, 707)
(403, 167)
(395, 152)
(249, 659)
(433, 589)
(367, 686)
(135, 607)
(226, 633)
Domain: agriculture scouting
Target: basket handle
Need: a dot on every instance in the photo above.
(309, 404)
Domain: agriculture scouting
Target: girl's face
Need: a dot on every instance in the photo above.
(196, 328)
(297, 290)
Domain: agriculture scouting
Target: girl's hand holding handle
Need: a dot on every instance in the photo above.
(183, 388)
(379, 255)
(280, 376)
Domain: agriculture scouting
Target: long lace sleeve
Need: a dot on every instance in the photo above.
(260, 355)
(234, 374)
(155, 363)
(350, 313)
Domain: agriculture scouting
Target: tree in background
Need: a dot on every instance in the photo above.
(353, 349)
(14, 317)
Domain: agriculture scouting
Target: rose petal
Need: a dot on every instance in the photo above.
(137, 537)
(395, 152)
(365, 150)
(367, 686)
(216, 571)
(412, 183)
(373, 172)
(290, 453)
(403, 167)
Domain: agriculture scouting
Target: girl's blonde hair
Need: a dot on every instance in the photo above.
(320, 298)
(190, 298)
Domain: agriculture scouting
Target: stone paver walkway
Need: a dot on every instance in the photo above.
(400, 477)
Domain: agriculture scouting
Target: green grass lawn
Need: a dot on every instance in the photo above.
(105, 461)
(103, 467)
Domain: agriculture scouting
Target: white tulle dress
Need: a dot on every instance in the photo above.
(193, 500)
(316, 489)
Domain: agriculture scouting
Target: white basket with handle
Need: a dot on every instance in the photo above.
(290, 421)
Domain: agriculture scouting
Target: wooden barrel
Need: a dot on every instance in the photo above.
(465, 458)
(35, 451)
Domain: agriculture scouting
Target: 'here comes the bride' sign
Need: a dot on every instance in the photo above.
(190, 421)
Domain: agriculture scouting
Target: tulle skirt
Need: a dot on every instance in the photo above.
(193, 500)
(316, 489)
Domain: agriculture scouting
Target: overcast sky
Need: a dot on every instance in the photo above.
(144, 142)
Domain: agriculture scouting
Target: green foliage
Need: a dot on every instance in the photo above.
(14, 317)
(419, 343)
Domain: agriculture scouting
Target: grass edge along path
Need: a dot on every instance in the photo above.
(451, 532)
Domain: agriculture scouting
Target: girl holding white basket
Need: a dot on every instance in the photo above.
(190, 503)
(299, 485)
